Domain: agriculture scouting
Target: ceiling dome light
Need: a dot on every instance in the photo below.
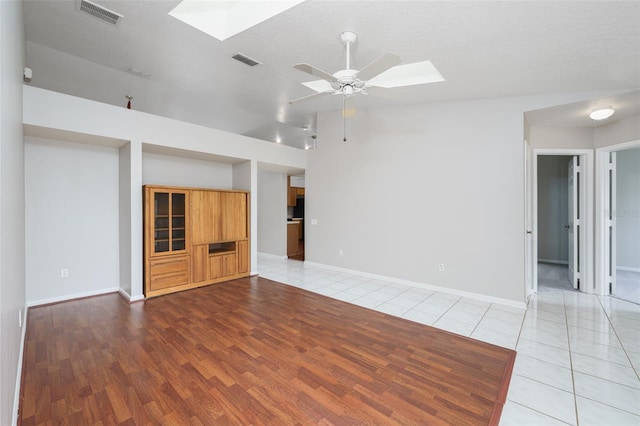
(602, 113)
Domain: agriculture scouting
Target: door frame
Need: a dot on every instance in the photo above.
(528, 222)
(601, 252)
(586, 206)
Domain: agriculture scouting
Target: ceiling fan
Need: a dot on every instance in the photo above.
(348, 82)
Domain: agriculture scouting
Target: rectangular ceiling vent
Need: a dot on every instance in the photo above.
(99, 12)
(246, 60)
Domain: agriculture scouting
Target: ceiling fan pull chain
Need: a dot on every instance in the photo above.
(344, 118)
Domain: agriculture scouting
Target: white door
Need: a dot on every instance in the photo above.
(610, 255)
(574, 223)
(528, 219)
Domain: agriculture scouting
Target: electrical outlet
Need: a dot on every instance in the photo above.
(64, 273)
(441, 267)
(341, 252)
(314, 221)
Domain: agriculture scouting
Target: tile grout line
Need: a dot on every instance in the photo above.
(540, 412)
(573, 378)
(484, 314)
(618, 337)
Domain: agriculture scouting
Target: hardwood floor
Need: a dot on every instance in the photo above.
(252, 351)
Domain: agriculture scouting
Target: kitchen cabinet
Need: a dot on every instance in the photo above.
(291, 193)
(292, 238)
(194, 237)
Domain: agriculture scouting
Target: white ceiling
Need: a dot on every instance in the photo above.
(482, 48)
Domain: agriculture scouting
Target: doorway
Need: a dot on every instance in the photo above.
(562, 212)
(556, 238)
(618, 221)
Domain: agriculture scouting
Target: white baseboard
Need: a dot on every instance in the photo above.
(16, 395)
(72, 296)
(627, 268)
(126, 296)
(477, 296)
(272, 256)
(555, 262)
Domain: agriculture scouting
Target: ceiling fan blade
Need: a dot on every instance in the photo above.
(378, 66)
(310, 69)
(310, 97)
(407, 75)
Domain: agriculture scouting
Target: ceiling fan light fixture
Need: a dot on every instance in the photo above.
(601, 113)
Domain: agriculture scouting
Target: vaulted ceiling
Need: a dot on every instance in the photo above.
(482, 48)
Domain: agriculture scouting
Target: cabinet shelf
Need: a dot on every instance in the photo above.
(221, 253)
(220, 248)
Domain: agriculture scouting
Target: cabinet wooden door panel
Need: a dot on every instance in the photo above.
(223, 265)
(215, 267)
(206, 219)
(234, 215)
(243, 256)
(200, 263)
(229, 264)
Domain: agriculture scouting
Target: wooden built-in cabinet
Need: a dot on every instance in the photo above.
(291, 193)
(194, 237)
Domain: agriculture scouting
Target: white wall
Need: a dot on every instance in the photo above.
(561, 137)
(628, 208)
(245, 177)
(421, 185)
(553, 212)
(619, 131)
(72, 219)
(297, 181)
(88, 77)
(160, 169)
(241, 176)
(272, 220)
(50, 112)
(12, 282)
(124, 223)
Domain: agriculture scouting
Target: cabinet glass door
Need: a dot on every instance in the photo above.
(161, 222)
(178, 233)
(169, 221)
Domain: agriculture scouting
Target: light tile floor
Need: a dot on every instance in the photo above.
(628, 286)
(578, 359)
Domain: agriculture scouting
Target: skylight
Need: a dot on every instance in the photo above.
(225, 18)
